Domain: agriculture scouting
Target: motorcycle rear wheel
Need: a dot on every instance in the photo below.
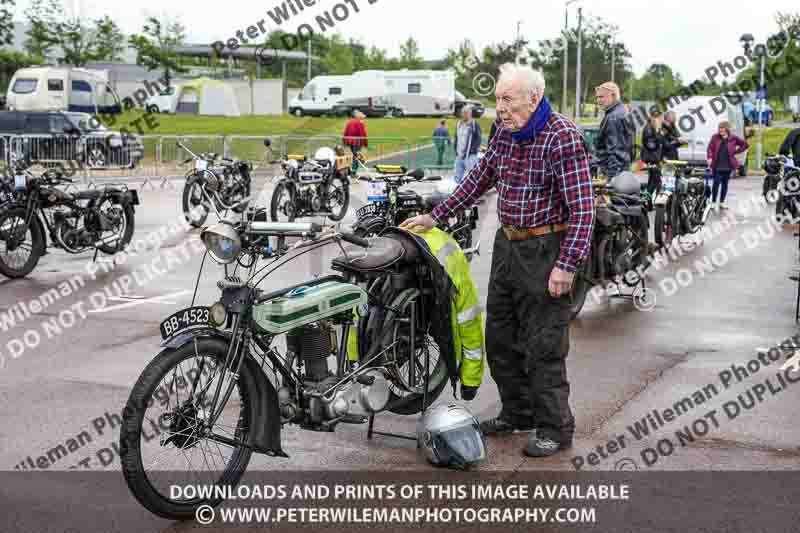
(125, 235)
(195, 208)
(179, 428)
(394, 338)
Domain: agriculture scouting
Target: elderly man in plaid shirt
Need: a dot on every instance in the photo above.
(539, 164)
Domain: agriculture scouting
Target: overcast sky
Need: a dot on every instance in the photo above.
(689, 35)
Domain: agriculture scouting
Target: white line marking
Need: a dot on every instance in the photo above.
(164, 299)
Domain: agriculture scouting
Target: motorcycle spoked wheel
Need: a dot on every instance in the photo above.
(195, 206)
(283, 205)
(581, 286)
(121, 218)
(338, 198)
(168, 445)
(20, 247)
(662, 225)
(405, 398)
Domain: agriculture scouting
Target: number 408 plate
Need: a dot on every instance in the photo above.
(183, 319)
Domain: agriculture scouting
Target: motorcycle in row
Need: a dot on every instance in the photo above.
(214, 184)
(620, 244)
(319, 186)
(390, 205)
(35, 207)
(782, 177)
(682, 205)
(207, 402)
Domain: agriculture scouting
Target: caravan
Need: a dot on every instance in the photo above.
(379, 93)
(61, 89)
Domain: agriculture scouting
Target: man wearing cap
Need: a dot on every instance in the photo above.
(539, 165)
(615, 139)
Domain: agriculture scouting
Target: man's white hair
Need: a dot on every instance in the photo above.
(532, 81)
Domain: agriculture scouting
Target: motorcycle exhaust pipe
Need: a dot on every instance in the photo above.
(106, 240)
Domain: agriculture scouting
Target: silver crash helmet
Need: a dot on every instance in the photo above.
(626, 183)
(449, 435)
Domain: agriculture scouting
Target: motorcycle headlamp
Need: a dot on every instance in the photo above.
(222, 242)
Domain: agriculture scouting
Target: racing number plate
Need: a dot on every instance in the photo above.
(200, 164)
(668, 182)
(183, 319)
(376, 191)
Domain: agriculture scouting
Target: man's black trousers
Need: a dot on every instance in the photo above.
(527, 336)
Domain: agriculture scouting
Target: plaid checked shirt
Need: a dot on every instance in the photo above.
(539, 182)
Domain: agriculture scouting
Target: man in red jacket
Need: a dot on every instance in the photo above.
(355, 136)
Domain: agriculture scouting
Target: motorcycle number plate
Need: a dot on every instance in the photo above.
(668, 183)
(184, 319)
(376, 192)
(200, 164)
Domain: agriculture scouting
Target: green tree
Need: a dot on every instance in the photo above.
(339, 58)
(44, 17)
(155, 46)
(409, 54)
(109, 40)
(77, 42)
(10, 62)
(6, 22)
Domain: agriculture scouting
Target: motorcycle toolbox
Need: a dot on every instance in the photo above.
(307, 304)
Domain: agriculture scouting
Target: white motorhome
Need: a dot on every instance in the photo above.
(698, 132)
(61, 89)
(379, 92)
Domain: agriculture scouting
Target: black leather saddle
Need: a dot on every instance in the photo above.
(382, 253)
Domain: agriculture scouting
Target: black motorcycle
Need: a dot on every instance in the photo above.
(214, 184)
(312, 187)
(390, 206)
(682, 206)
(223, 385)
(99, 219)
(620, 247)
(783, 178)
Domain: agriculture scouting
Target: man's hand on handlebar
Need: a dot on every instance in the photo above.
(419, 223)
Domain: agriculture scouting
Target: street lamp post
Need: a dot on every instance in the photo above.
(758, 51)
(578, 68)
(566, 55)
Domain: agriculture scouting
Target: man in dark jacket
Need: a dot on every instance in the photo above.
(672, 137)
(615, 139)
(791, 146)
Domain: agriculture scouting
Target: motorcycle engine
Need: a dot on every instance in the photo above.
(310, 347)
(312, 198)
(68, 236)
(623, 262)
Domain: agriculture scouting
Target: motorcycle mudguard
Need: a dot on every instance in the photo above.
(265, 435)
(662, 198)
(371, 224)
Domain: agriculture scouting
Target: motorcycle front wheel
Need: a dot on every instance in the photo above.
(195, 207)
(663, 225)
(165, 440)
(20, 245)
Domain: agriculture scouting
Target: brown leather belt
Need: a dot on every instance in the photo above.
(521, 234)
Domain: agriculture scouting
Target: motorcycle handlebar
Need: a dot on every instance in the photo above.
(354, 239)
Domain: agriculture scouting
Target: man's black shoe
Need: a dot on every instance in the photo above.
(542, 447)
(498, 426)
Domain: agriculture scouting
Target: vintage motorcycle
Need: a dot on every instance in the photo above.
(783, 178)
(207, 401)
(620, 244)
(390, 206)
(681, 206)
(99, 219)
(316, 187)
(214, 185)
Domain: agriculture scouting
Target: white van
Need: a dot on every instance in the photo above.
(61, 89)
(320, 95)
(698, 133)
